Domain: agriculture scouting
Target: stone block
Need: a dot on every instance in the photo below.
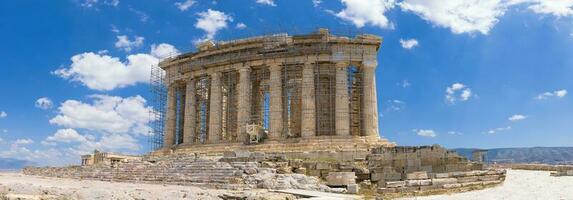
(412, 183)
(340, 178)
(417, 175)
(442, 175)
(570, 173)
(352, 188)
(468, 184)
(467, 179)
(443, 181)
(395, 184)
(488, 178)
(453, 185)
(313, 172)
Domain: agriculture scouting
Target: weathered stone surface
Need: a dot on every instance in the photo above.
(443, 181)
(341, 178)
(395, 184)
(352, 188)
(453, 185)
(411, 183)
(417, 175)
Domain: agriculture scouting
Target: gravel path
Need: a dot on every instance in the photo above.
(518, 185)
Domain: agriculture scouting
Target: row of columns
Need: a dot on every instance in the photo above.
(308, 124)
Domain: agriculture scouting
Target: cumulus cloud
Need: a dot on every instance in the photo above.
(459, 16)
(164, 50)
(362, 13)
(3, 114)
(109, 114)
(558, 94)
(44, 103)
(82, 144)
(185, 5)
(515, 118)
(66, 135)
(425, 132)
(99, 71)
(211, 21)
(266, 2)
(409, 43)
(127, 45)
(558, 8)
(458, 92)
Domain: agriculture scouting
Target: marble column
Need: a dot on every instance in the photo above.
(171, 118)
(276, 105)
(369, 99)
(308, 106)
(342, 111)
(244, 103)
(215, 108)
(190, 114)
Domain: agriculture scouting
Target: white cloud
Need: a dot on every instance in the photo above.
(395, 105)
(454, 133)
(371, 12)
(458, 92)
(425, 132)
(267, 2)
(408, 44)
(100, 71)
(211, 21)
(89, 3)
(496, 130)
(109, 114)
(93, 3)
(103, 72)
(3, 114)
(316, 3)
(185, 5)
(515, 118)
(164, 50)
(66, 135)
(558, 8)
(127, 45)
(113, 3)
(558, 93)
(460, 16)
(241, 26)
(23, 142)
(44, 103)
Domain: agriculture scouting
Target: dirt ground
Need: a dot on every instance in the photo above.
(518, 185)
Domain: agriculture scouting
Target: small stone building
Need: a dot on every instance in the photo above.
(106, 158)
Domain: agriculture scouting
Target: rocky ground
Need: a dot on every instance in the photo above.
(18, 186)
(518, 185)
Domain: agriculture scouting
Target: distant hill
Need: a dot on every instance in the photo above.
(14, 164)
(547, 155)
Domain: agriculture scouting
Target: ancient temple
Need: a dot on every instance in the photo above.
(312, 92)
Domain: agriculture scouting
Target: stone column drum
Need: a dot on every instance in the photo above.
(308, 126)
(216, 108)
(171, 117)
(342, 113)
(276, 108)
(190, 114)
(244, 102)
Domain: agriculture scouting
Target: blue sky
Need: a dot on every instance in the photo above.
(493, 73)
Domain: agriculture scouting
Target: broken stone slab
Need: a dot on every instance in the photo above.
(236, 154)
(450, 186)
(442, 175)
(300, 170)
(341, 178)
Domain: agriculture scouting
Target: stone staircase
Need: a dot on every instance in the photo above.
(182, 170)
